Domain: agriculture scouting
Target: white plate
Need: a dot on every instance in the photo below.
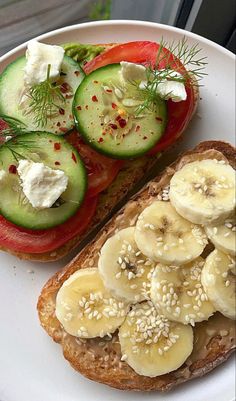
(31, 365)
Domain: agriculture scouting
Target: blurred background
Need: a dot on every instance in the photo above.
(21, 20)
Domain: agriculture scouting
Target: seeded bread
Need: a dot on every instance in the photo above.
(99, 359)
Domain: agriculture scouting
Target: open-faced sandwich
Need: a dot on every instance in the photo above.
(80, 125)
(150, 302)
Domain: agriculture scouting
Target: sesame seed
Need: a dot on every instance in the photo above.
(133, 286)
(118, 275)
(187, 306)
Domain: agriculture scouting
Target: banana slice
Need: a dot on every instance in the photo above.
(223, 236)
(151, 344)
(177, 292)
(85, 308)
(219, 279)
(203, 191)
(125, 271)
(164, 236)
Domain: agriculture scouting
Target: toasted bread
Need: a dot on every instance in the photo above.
(130, 174)
(99, 359)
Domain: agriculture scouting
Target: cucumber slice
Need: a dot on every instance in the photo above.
(105, 113)
(12, 89)
(40, 147)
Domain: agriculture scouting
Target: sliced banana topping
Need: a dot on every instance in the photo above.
(151, 344)
(223, 236)
(125, 271)
(177, 293)
(203, 191)
(85, 308)
(219, 282)
(164, 236)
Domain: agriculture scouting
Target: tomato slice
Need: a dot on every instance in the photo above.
(101, 169)
(135, 52)
(144, 52)
(19, 239)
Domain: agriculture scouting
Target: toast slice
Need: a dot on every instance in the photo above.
(127, 178)
(99, 359)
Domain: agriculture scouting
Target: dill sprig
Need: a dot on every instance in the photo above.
(15, 126)
(45, 100)
(192, 70)
(189, 56)
(20, 148)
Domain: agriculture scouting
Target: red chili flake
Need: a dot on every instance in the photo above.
(65, 87)
(57, 146)
(68, 96)
(109, 90)
(77, 73)
(145, 137)
(58, 125)
(57, 163)
(12, 169)
(114, 106)
(137, 128)
(86, 107)
(100, 140)
(94, 98)
(113, 126)
(61, 111)
(79, 108)
(63, 129)
(73, 157)
(159, 119)
(95, 82)
(122, 122)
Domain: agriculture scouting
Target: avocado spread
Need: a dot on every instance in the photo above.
(82, 52)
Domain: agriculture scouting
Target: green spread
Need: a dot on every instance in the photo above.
(82, 52)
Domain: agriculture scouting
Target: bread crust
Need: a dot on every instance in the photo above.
(130, 174)
(214, 340)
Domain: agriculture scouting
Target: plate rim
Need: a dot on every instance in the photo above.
(230, 56)
(119, 22)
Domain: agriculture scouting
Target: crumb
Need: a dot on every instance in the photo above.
(30, 271)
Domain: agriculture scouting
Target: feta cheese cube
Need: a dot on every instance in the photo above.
(174, 90)
(168, 88)
(41, 185)
(132, 71)
(38, 56)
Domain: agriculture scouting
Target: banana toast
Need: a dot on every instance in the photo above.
(100, 359)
